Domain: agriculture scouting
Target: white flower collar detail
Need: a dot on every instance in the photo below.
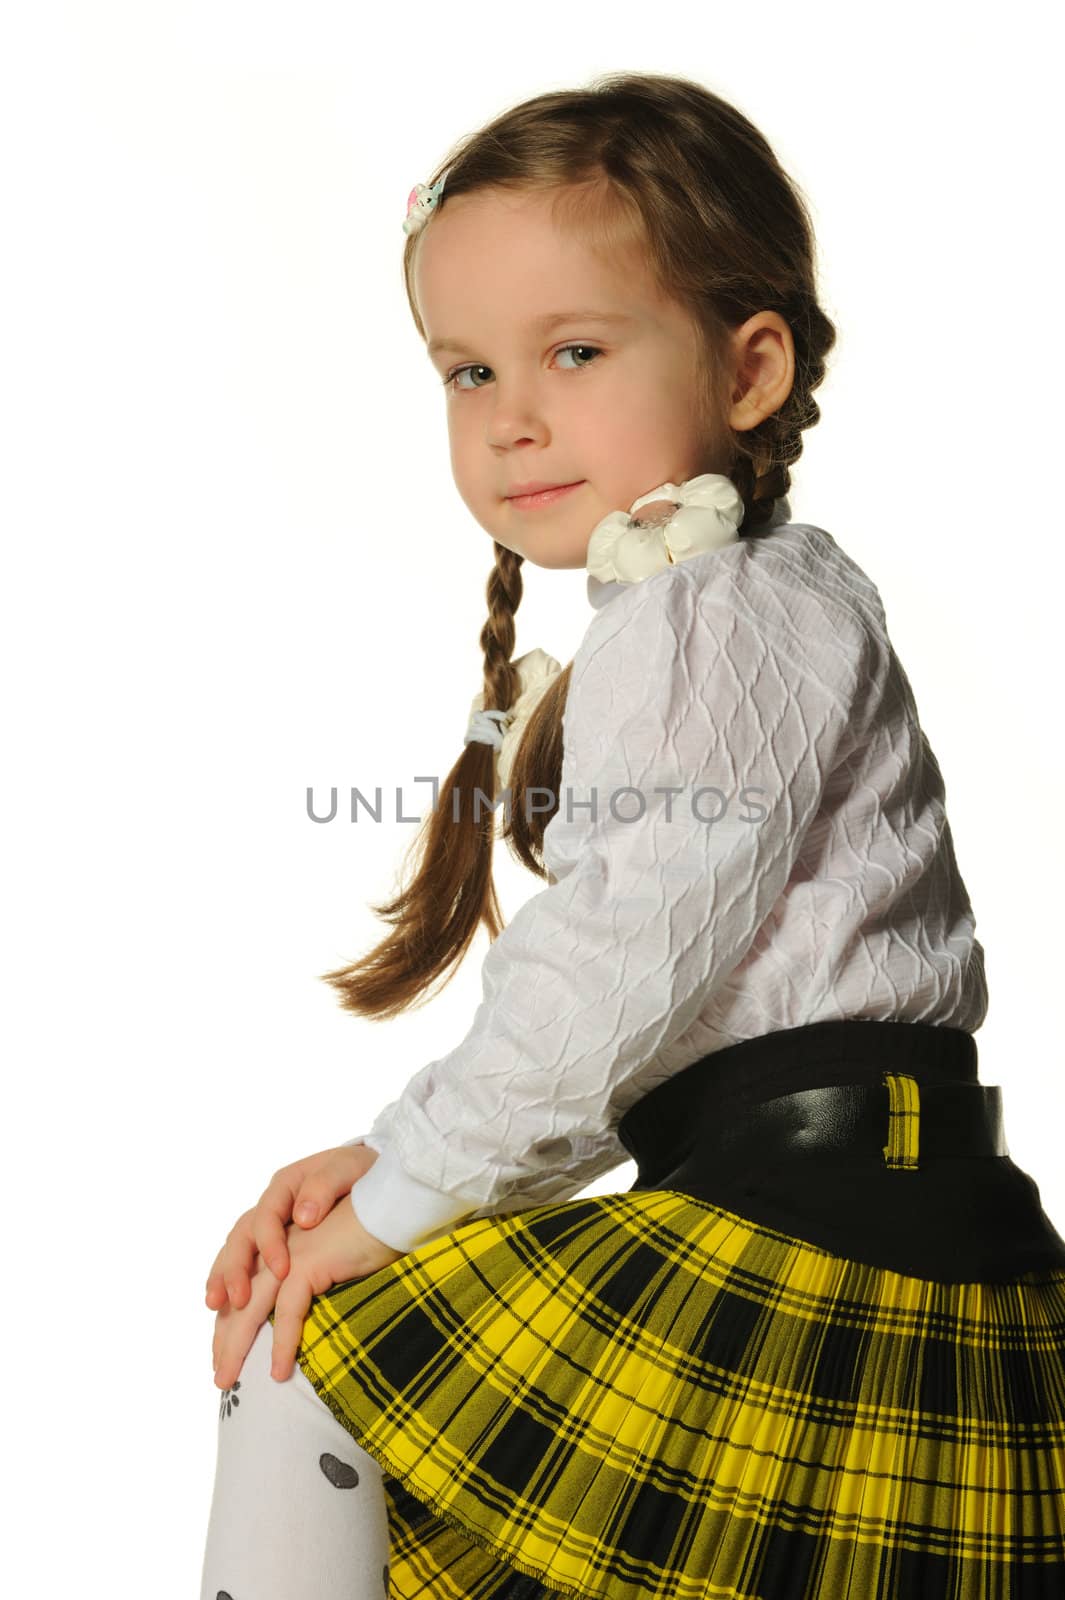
(625, 549)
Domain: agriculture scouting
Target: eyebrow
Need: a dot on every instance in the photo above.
(541, 325)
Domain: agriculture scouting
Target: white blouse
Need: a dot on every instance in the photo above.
(801, 869)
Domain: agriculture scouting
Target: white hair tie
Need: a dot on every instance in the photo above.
(536, 671)
(483, 728)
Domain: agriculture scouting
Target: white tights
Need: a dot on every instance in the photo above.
(299, 1507)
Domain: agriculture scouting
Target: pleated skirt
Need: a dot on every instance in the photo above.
(817, 1350)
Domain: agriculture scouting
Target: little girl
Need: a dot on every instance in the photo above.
(818, 1349)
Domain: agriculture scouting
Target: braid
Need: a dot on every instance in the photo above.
(504, 590)
(435, 916)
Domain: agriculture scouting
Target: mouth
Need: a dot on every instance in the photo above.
(542, 497)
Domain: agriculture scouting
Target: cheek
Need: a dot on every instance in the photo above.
(464, 467)
(641, 413)
(654, 429)
(639, 448)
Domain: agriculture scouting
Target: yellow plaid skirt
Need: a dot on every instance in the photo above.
(647, 1394)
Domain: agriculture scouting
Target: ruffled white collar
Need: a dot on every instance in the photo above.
(624, 549)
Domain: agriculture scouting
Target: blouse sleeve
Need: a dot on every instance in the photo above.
(540, 1185)
(698, 739)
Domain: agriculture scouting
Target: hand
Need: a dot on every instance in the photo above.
(335, 1252)
(317, 1181)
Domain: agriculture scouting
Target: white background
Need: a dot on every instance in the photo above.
(235, 564)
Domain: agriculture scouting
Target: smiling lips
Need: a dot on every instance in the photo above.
(539, 494)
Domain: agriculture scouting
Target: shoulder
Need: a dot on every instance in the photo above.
(793, 598)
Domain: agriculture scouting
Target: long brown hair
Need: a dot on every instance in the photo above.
(663, 161)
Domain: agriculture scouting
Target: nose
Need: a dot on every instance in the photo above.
(516, 417)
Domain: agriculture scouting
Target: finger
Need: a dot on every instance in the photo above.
(215, 1292)
(228, 1282)
(270, 1234)
(235, 1331)
(238, 1259)
(220, 1346)
(227, 1326)
(239, 1256)
(274, 1213)
(293, 1303)
(320, 1190)
(235, 1342)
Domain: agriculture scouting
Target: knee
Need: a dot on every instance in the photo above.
(288, 1406)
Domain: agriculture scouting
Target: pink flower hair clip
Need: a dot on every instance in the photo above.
(421, 203)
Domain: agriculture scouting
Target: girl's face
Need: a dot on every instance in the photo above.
(617, 415)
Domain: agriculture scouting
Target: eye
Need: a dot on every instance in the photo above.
(585, 347)
(451, 380)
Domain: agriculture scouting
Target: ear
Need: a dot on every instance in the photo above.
(764, 365)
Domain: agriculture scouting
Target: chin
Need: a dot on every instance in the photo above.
(553, 563)
(553, 560)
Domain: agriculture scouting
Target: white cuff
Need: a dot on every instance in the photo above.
(367, 1139)
(402, 1211)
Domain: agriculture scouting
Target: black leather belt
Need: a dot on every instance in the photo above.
(832, 1132)
(722, 1110)
(954, 1119)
